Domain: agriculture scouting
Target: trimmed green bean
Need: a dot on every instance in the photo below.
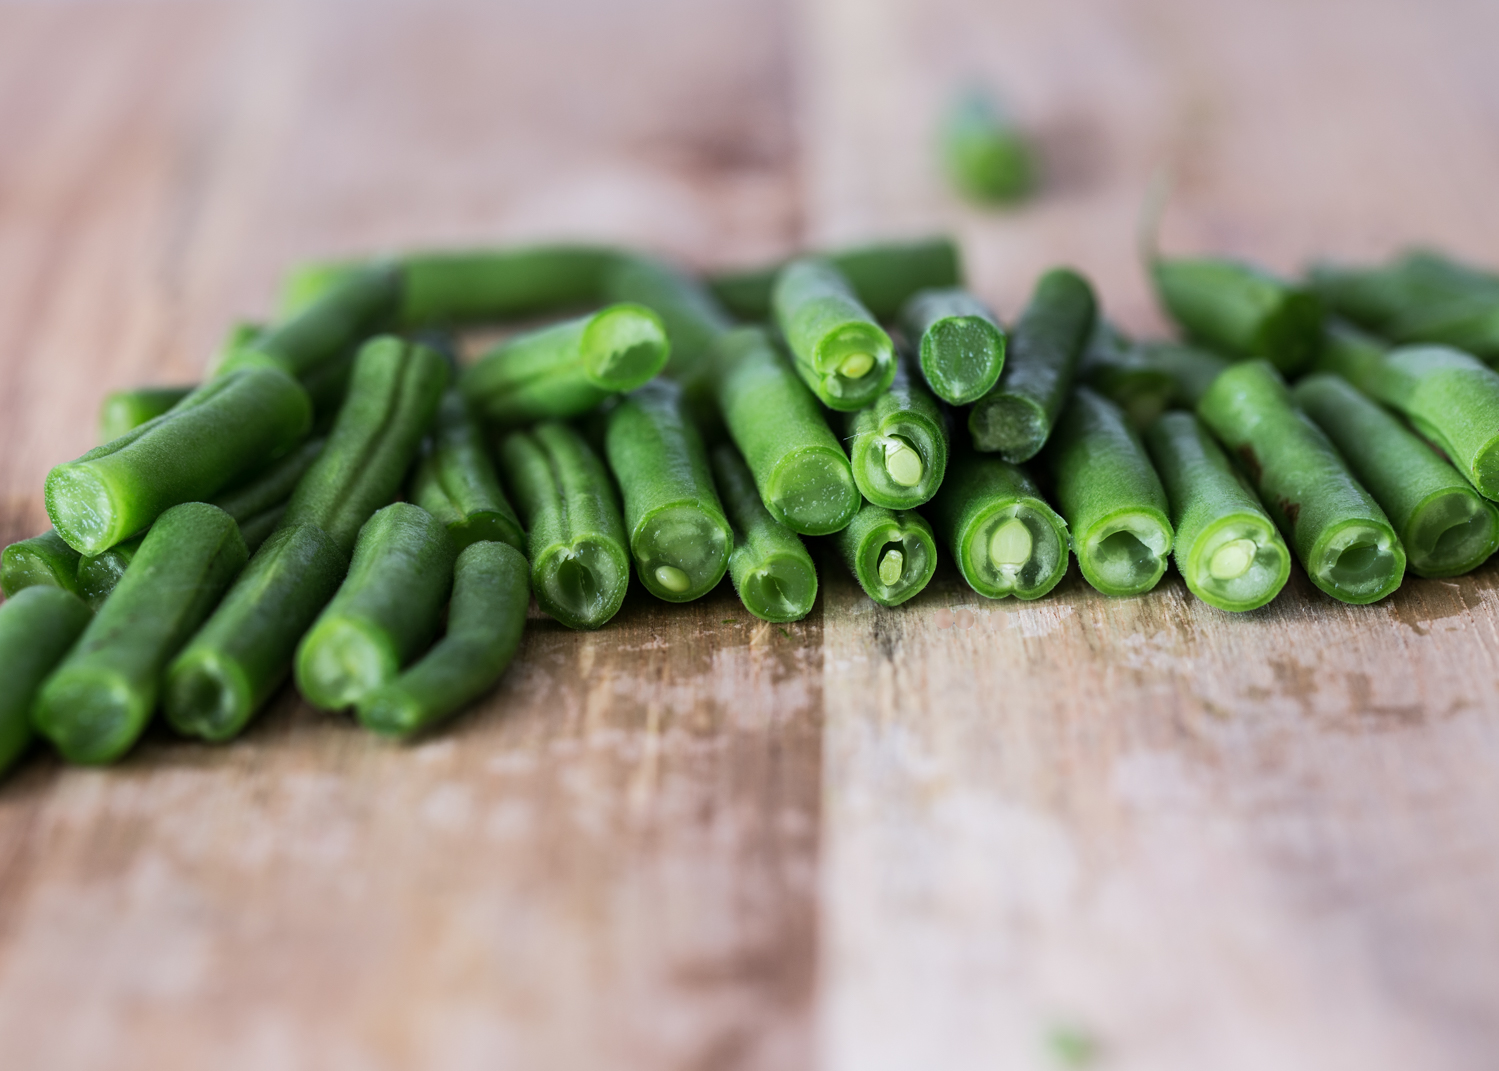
(1123, 373)
(960, 343)
(37, 627)
(1342, 538)
(987, 157)
(490, 594)
(1227, 547)
(580, 566)
(836, 345)
(892, 554)
(898, 445)
(568, 368)
(393, 397)
(223, 430)
(1110, 496)
(1015, 418)
(1240, 309)
(801, 470)
(385, 613)
(41, 561)
(98, 702)
(1191, 370)
(456, 481)
(770, 567)
(679, 536)
(1004, 537)
(126, 410)
(1446, 527)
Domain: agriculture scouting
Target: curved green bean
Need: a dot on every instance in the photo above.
(836, 345)
(1124, 373)
(44, 560)
(456, 481)
(959, 342)
(1240, 309)
(898, 445)
(987, 157)
(892, 554)
(770, 567)
(37, 627)
(1004, 537)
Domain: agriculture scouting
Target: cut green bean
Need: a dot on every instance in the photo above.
(898, 445)
(1449, 397)
(235, 663)
(959, 342)
(393, 397)
(679, 536)
(98, 702)
(1227, 547)
(1110, 496)
(1240, 309)
(691, 315)
(1004, 537)
(1190, 369)
(836, 345)
(41, 561)
(1446, 527)
(490, 594)
(1015, 418)
(385, 613)
(566, 369)
(126, 410)
(37, 627)
(987, 157)
(494, 285)
(580, 566)
(225, 429)
(1123, 373)
(456, 482)
(771, 569)
(892, 554)
(801, 470)
(1342, 538)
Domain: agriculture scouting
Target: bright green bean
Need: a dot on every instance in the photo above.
(37, 627)
(898, 445)
(490, 595)
(836, 345)
(1015, 418)
(1241, 310)
(987, 157)
(1227, 548)
(771, 569)
(1110, 496)
(1124, 374)
(1445, 526)
(98, 702)
(126, 410)
(44, 560)
(958, 340)
(456, 481)
(892, 554)
(1342, 538)
(801, 470)
(679, 536)
(580, 566)
(1004, 537)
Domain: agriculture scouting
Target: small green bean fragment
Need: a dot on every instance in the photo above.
(1001, 532)
(37, 627)
(898, 445)
(456, 481)
(1240, 309)
(770, 567)
(126, 410)
(836, 345)
(1124, 373)
(959, 343)
(44, 560)
(891, 553)
(987, 157)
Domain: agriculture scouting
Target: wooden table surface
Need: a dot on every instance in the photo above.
(1132, 833)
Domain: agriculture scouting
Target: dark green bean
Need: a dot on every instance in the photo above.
(1241, 310)
(98, 702)
(126, 410)
(490, 595)
(456, 481)
(898, 445)
(37, 627)
(1015, 418)
(1004, 537)
(892, 554)
(836, 345)
(771, 569)
(987, 157)
(958, 340)
(1342, 538)
(1123, 373)
(43, 560)
(493, 285)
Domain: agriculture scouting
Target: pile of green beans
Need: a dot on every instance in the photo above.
(346, 502)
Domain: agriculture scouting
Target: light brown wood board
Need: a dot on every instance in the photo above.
(1125, 833)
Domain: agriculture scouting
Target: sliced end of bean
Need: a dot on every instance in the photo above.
(681, 553)
(82, 509)
(899, 557)
(624, 346)
(1357, 562)
(782, 589)
(813, 493)
(1451, 533)
(1014, 551)
(1485, 471)
(581, 585)
(961, 357)
(853, 363)
(208, 696)
(1013, 427)
(341, 660)
(103, 716)
(1240, 563)
(1126, 554)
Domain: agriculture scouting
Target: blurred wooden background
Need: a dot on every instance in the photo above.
(1083, 832)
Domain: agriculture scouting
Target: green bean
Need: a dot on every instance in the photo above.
(37, 626)
(987, 157)
(691, 315)
(125, 410)
(1110, 496)
(456, 482)
(99, 574)
(1449, 397)
(802, 472)
(898, 445)
(271, 486)
(235, 663)
(679, 536)
(892, 554)
(1342, 538)
(1227, 548)
(386, 612)
(492, 285)
(836, 345)
(44, 560)
(883, 275)
(1445, 526)
(771, 569)
(490, 596)
(98, 702)
(1241, 310)
(568, 368)
(958, 340)
(575, 535)
(1124, 373)
(1015, 418)
(1004, 537)
(395, 392)
(1191, 370)
(223, 430)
